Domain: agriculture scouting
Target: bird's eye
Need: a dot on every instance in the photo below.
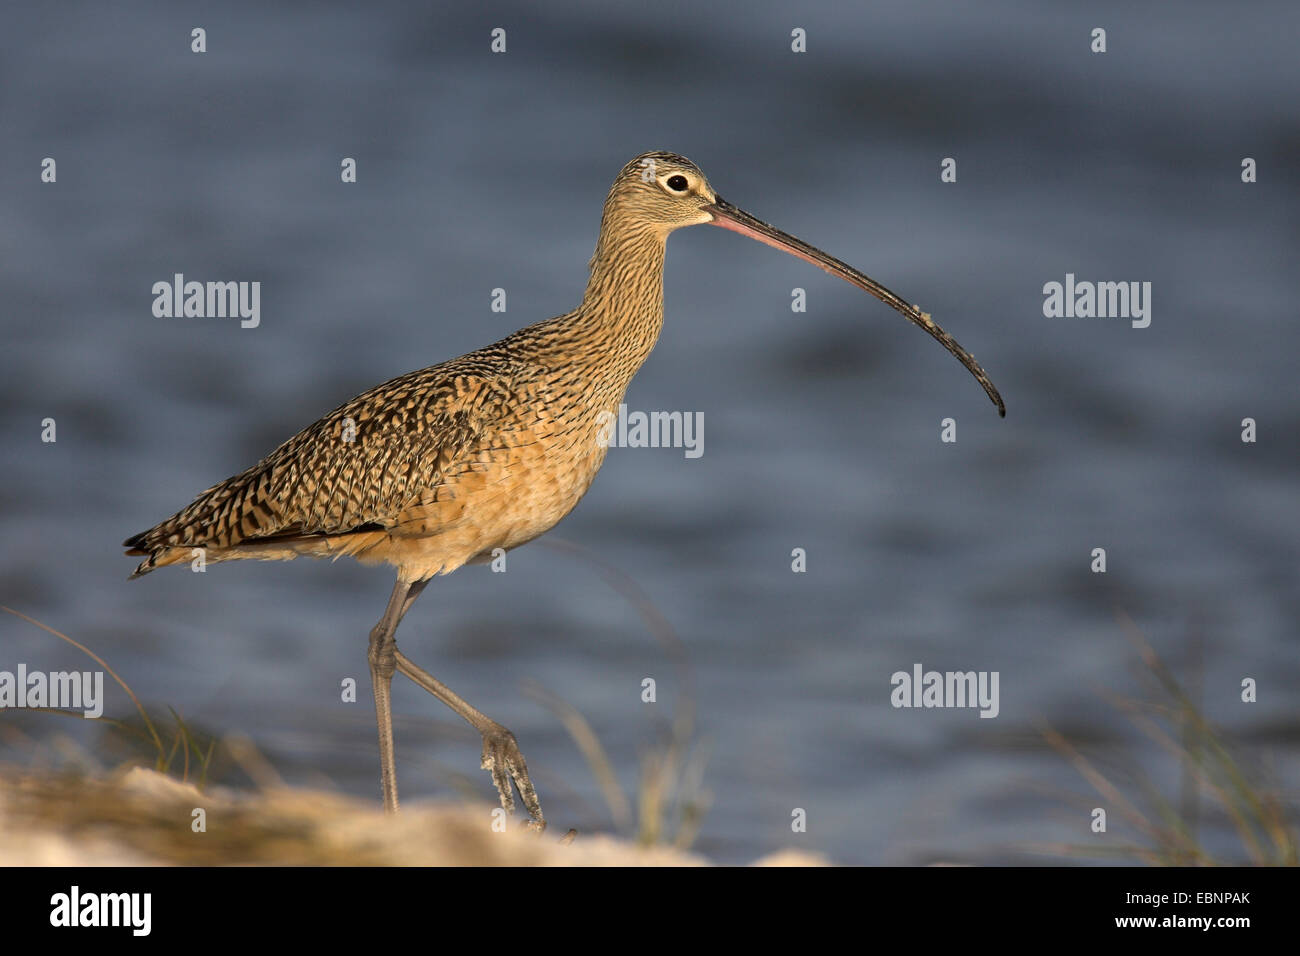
(677, 184)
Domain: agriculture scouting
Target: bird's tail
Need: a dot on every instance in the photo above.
(156, 557)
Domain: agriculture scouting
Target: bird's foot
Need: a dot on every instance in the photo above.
(502, 759)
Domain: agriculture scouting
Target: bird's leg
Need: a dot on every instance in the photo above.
(412, 592)
(501, 756)
(382, 657)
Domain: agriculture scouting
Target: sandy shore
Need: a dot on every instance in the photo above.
(141, 818)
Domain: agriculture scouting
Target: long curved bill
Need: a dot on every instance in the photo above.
(737, 220)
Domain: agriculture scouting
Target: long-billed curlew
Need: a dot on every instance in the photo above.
(442, 466)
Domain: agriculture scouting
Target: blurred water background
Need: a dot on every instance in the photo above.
(479, 171)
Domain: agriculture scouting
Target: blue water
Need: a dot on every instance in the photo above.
(479, 171)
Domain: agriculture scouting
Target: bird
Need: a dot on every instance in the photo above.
(452, 464)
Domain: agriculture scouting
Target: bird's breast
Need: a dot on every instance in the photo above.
(511, 487)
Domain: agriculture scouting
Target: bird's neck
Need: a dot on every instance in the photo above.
(622, 311)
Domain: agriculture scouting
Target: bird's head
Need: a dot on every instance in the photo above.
(661, 191)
